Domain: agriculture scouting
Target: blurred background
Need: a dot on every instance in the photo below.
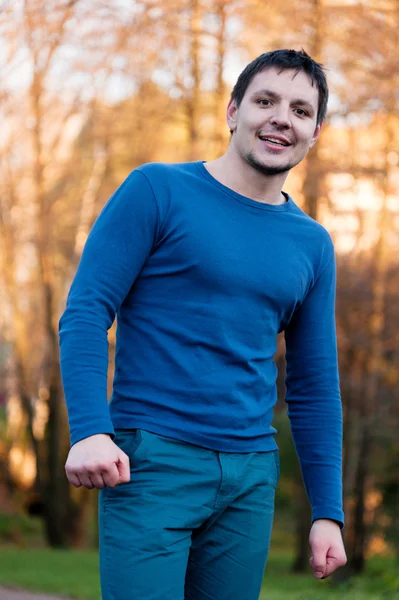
(89, 89)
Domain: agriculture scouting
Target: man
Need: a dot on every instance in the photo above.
(204, 264)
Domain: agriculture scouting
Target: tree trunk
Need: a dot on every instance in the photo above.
(16, 379)
(312, 183)
(303, 523)
(220, 99)
(55, 488)
(79, 519)
(357, 549)
(192, 104)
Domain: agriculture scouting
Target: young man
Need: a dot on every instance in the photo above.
(204, 264)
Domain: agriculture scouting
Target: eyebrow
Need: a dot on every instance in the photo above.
(297, 101)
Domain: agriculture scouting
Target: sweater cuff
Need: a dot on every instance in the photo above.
(94, 428)
(330, 514)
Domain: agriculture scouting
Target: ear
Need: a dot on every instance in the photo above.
(316, 135)
(231, 114)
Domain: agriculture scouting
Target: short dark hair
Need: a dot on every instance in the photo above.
(283, 60)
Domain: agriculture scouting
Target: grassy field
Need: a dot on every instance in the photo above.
(25, 562)
(75, 575)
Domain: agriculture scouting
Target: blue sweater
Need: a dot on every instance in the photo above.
(202, 279)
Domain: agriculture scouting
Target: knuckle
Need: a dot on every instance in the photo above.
(70, 473)
(103, 467)
(93, 468)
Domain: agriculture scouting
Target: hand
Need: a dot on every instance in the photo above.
(96, 462)
(328, 552)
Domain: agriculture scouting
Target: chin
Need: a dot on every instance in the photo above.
(266, 168)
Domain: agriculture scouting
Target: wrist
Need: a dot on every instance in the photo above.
(325, 520)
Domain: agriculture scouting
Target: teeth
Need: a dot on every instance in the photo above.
(273, 141)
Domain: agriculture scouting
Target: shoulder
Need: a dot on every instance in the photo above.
(168, 183)
(317, 229)
(163, 173)
(315, 238)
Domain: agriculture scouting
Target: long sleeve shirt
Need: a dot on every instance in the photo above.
(201, 280)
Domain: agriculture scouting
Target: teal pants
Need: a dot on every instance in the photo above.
(192, 523)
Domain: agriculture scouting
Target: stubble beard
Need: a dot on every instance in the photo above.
(267, 169)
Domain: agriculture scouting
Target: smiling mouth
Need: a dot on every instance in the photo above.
(271, 140)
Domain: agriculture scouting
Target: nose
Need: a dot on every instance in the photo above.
(281, 117)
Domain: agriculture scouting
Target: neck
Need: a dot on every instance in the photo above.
(233, 172)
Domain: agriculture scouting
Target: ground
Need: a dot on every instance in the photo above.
(12, 594)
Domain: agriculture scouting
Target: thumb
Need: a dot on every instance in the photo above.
(123, 466)
(318, 563)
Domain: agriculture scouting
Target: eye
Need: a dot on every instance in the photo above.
(263, 102)
(301, 112)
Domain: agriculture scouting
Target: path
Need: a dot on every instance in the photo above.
(13, 594)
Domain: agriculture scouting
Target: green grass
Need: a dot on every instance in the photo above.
(377, 583)
(75, 575)
(72, 574)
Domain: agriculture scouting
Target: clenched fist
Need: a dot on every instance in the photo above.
(328, 552)
(96, 462)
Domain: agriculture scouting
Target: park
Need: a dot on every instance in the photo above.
(93, 90)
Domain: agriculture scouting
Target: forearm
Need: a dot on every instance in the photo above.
(84, 367)
(317, 432)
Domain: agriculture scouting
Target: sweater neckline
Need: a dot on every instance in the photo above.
(244, 199)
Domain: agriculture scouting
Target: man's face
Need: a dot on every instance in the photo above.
(275, 125)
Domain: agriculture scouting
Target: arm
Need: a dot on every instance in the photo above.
(116, 249)
(315, 412)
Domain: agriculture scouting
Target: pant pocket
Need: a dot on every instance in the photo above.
(130, 442)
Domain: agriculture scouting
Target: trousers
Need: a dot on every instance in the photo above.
(192, 523)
